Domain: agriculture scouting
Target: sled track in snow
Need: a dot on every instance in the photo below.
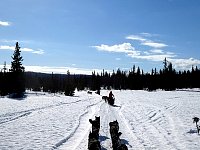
(15, 117)
(71, 134)
(77, 128)
(108, 114)
(154, 127)
(104, 133)
(128, 137)
(8, 117)
(146, 126)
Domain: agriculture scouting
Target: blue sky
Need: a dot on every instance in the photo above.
(83, 35)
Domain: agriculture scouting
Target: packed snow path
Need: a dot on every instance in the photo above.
(147, 120)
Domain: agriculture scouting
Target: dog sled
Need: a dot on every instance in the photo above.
(111, 100)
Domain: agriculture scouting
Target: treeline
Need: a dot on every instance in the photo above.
(53, 83)
(16, 80)
(165, 79)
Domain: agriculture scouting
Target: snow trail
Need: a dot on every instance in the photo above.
(108, 114)
(17, 115)
(81, 131)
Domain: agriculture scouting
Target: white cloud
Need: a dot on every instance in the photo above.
(27, 49)
(158, 51)
(14, 41)
(127, 48)
(121, 48)
(62, 70)
(157, 54)
(178, 63)
(147, 53)
(4, 23)
(148, 34)
(8, 41)
(184, 64)
(152, 57)
(154, 44)
(170, 53)
(117, 59)
(40, 52)
(59, 70)
(136, 38)
(5, 47)
(145, 41)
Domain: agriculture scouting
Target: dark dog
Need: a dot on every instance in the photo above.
(105, 98)
(98, 92)
(195, 120)
(89, 92)
(95, 123)
(122, 147)
(198, 129)
(115, 134)
(114, 127)
(93, 142)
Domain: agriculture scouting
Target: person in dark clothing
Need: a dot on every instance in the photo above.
(111, 95)
(111, 98)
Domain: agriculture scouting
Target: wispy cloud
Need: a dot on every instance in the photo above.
(59, 70)
(183, 64)
(129, 50)
(14, 41)
(5, 23)
(26, 49)
(158, 51)
(5, 47)
(121, 48)
(147, 42)
(153, 57)
(62, 70)
(136, 38)
(39, 51)
(145, 34)
(154, 44)
(178, 63)
(8, 41)
(118, 59)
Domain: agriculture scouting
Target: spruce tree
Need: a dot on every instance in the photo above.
(16, 64)
(69, 86)
(17, 73)
(165, 65)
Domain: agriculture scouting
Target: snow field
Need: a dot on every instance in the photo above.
(162, 119)
(51, 120)
(147, 120)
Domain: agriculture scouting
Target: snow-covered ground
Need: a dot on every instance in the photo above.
(147, 120)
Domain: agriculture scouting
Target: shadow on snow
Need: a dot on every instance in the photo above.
(192, 131)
